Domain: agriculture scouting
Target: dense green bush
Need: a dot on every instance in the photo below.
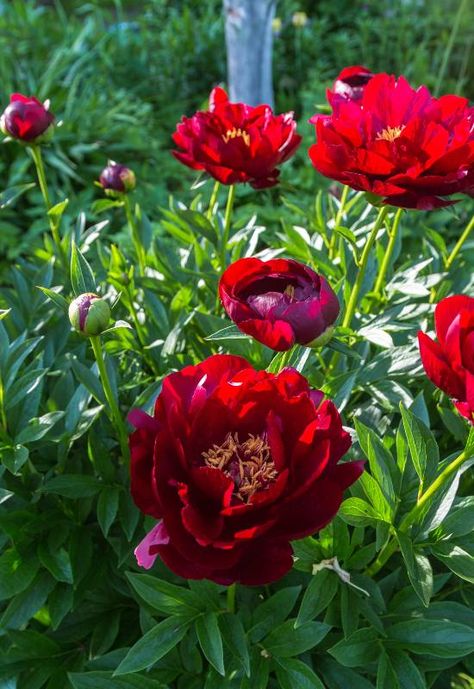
(75, 608)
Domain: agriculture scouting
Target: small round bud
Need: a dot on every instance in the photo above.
(27, 119)
(117, 179)
(89, 314)
(299, 19)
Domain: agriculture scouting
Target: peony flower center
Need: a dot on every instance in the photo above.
(236, 134)
(249, 463)
(390, 133)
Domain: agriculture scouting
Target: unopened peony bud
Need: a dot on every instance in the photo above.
(89, 314)
(117, 179)
(27, 119)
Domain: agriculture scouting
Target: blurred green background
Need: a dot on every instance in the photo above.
(120, 73)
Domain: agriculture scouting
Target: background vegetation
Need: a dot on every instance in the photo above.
(72, 601)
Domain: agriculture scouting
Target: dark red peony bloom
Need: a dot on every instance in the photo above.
(279, 302)
(351, 82)
(235, 142)
(27, 119)
(236, 463)
(398, 143)
(117, 178)
(449, 363)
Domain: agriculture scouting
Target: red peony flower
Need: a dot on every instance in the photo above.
(449, 363)
(398, 143)
(279, 302)
(117, 178)
(27, 119)
(236, 463)
(235, 142)
(351, 82)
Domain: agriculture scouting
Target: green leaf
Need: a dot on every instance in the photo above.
(164, 597)
(442, 639)
(423, 447)
(16, 573)
(37, 428)
(210, 640)
(58, 209)
(9, 195)
(292, 673)
(457, 559)
(409, 676)
(106, 680)
(286, 641)
(358, 650)
(319, 593)
(273, 611)
(358, 512)
(338, 677)
(21, 609)
(230, 332)
(82, 277)
(154, 645)
(107, 507)
(419, 569)
(73, 486)
(259, 672)
(23, 386)
(386, 675)
(55, 297)
(233, 634)
(89, 379)
(56, 562)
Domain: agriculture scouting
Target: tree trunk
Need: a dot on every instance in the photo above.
(248, 28)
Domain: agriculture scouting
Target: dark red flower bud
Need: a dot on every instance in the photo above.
(27, 119)
(235, 142)
(398, 143)
(449, 363)
(117, 178)
(279, 302)
(236, 463)
(89, 314)
(352, 81)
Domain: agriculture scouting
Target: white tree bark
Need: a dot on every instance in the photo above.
(248, 28)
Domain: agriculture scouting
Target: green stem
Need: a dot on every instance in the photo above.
(139, 250)
(213, 200)
(231, 591)
(452, 256)
(338, 220)
(40, 171)
(449, 46)
(408, 520)
(114, 410)
(393, 235)
(364, 259)
(227, 219)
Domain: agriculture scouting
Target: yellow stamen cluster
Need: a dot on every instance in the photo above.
(250, 461)
(236, 134)
(390, 134)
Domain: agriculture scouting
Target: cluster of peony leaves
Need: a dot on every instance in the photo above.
(236, 463)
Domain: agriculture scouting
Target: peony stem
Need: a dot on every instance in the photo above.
(114, 410)
(393, 235)
(227, 219)
(453, 255)
(231, 591)
(213, 200)
(392, 546)
(135, 235)
(354, 296)
(40, 171)
(338, 220)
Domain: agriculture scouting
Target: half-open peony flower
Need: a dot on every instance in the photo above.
(449, 363)
(235, 143)
(279, 302)
(351, 82)
(398, 143)
(27, 119)
(236, 463)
